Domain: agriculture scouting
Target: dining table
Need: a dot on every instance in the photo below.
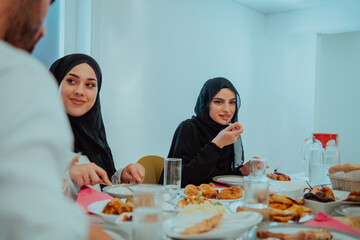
(88, 196)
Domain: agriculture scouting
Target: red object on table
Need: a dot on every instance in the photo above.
(324, 220)
(87, 196)
(218, 185)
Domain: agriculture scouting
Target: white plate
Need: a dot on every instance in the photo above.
(292, 189)
(348, 210)
(233, 206)
(119, 191)
(230, 226)
(294, 228)
(114, 235)
(97, 208)
(223, 201)
(230, 180)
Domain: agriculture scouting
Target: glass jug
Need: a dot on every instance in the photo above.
(321, 152)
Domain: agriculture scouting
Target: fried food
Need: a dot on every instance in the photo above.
(230, 193)
(282, 209)
(347, 167)
(191, 190)
(320, 234)
(276, 198)
(278, 176)
(203, 226)
(354, 196)
(209, 190)
(116, 206)
(325, 194)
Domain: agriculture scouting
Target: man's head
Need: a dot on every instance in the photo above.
(23, 22)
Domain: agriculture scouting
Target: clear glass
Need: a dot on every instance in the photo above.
(257, 167)
(147, 218)
(256, 194)
(172, 175)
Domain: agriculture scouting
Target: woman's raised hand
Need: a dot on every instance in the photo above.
(88, 174)
(228, 135)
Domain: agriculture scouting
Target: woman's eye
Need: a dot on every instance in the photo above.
(71, 81)
(91, 85)
(233, 102)
(217, 102)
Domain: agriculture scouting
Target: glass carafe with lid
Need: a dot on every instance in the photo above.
(321, 152)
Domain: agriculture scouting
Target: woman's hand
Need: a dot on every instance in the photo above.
(245, 169)
(228, 135)
(88, 174)
(134, 172)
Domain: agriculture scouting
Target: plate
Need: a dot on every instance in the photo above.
(348, 210)
(223, 201)
(294, 228)
(292, 189)
(97, 208)
(113, 234)
(233, 206)
(230, 180)
(230, 226)
(119, 191)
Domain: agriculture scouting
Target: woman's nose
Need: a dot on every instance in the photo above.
(79, 90)
(226, 107)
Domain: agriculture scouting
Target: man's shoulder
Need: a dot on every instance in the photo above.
(17, 61)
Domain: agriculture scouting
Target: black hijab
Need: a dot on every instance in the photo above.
(208, 126)
(88, 129)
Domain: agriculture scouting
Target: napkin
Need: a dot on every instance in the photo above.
(219, 185)
(87, 196)
(324, 220)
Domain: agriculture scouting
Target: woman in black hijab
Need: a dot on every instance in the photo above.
(80, 79)
(209, 143)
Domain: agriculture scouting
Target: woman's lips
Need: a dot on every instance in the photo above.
(77, 101)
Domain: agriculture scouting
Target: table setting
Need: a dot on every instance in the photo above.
(160, 212)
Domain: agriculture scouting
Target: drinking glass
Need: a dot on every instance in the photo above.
(257, 167)
(256, 194)
(172, 175)
(147, 219)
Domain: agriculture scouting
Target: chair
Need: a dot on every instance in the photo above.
(154, 165)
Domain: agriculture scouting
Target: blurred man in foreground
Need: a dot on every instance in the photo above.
(35, 135)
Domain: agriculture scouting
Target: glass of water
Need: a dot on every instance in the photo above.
(257, 167)
(172, 175)
(147, 218)
(256, 194)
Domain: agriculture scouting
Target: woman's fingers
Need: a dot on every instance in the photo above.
(101, 172)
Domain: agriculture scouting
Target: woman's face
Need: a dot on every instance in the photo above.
(78, 90)
(222, 107)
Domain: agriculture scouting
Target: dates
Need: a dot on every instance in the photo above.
(319, 196)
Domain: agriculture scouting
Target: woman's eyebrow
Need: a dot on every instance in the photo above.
(92, 79)
(73, 75)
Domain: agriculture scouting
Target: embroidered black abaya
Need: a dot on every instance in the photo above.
(88, 129)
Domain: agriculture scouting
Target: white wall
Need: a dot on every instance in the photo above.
(288, 72)
(337, 102)
(156, 55)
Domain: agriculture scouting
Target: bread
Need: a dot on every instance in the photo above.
(230, 193)
(353, 196)
(278, 176)
(347, 167)
(352, 221)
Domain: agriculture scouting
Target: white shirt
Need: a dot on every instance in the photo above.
(35, 137)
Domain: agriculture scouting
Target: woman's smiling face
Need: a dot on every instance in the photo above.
(79, 89)
(223, 106)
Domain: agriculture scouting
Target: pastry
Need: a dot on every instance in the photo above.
(353, 196)
(347, 167)
(230, 193)
(278, 176)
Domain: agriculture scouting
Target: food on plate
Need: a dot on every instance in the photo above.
(325, 194)
(347, 167)
(127, 218)
(353, 196)
(352, 221)
(203, 226)
(199, 205)
(209, 191)
(230, 193)
(320, 234)
(282, 209)
(191, 190)
(116, 206)
(278, 176)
